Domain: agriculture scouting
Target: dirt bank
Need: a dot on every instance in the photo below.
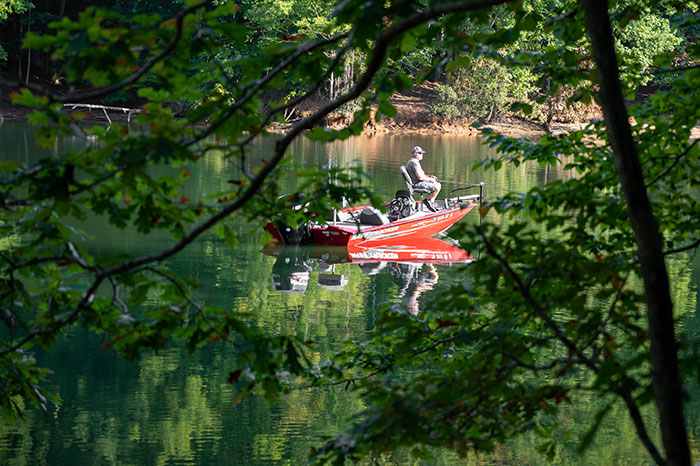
(413, 117)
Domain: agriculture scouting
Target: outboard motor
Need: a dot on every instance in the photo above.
(294, 236)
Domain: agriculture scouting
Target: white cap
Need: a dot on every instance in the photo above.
(417, 149)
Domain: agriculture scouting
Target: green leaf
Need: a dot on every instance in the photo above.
(387, 109)
(320, 134)
(408, 42)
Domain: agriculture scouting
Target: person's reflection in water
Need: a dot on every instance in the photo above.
(415, 281)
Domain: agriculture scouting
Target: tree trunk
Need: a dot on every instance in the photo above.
(29, 51)
(352, 68)
(19, 54)
(668, 390)
(332, 85)
(550, 108)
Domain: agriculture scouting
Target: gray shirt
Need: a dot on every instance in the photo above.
(412, 167)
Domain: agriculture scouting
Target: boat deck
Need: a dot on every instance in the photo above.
(349, 219)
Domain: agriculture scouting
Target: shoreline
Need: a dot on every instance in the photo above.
(409, 123)
(430, 125)
(413, 117)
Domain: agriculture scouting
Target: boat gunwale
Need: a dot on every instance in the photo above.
(358, 227)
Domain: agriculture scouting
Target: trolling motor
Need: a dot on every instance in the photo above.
(472, 197)
(294, 236)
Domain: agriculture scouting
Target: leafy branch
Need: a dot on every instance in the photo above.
(592, 364)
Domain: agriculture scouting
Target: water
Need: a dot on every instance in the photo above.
(171, 408)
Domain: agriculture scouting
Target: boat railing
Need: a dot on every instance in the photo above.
(449, 200)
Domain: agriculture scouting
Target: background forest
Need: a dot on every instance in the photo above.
(484, 87)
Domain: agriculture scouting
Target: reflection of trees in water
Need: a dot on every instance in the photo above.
(178, 408)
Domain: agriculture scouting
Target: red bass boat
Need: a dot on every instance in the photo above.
(366, 226)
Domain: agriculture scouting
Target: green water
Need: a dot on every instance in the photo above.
(171, 408)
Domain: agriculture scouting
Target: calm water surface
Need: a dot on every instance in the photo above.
(171, 408)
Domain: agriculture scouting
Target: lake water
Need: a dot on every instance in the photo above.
(171, 408)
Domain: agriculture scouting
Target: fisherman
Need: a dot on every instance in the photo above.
(420, 179)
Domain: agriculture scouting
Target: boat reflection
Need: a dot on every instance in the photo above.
(411, 263)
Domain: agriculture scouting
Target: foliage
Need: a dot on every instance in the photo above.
(486, 88)
(489, 82)
(646, 32)
(7, 8)
(543, 317)
(106, 293)
(565, 106)
(446, 106)
(165, 8)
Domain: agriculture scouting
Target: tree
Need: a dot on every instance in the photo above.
(491, 80)
(8, 8)
(544, 317)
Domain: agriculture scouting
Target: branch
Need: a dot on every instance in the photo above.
(294, 102)
(179, 287)
(611, 309)
(636, 416)
(682, 249)
(554, 363)
(257, 85)
(197, 307)
(103, 91)
(77, 259)
(97, 181)
(87, 298)
(675, 162)
(40, 260)
(388, 364)
(73, 105)
(116, 288)
(677, 70)
(621, 391)
(525, 293)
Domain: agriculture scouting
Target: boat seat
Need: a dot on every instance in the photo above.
(371, 216)
(409, 183)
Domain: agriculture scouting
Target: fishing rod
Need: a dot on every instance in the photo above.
(457, 182)
(463, 183)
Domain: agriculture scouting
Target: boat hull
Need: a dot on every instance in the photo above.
(420, 226)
